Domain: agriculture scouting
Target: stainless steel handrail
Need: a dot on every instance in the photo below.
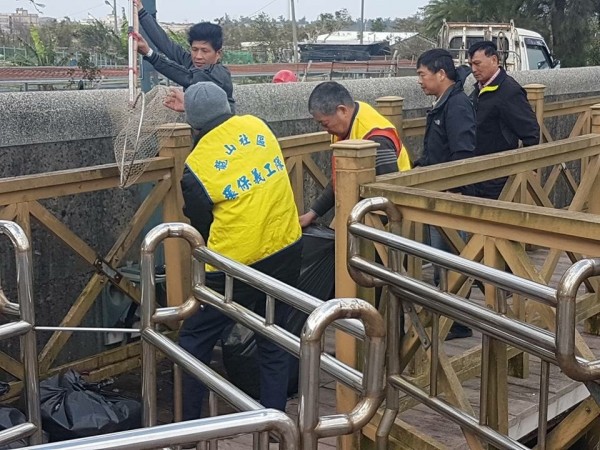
(25, 329)
(189, 432)
(557, 349)
(571, 365)
(370, 386)
(525, 336)
(341, 372)
(153, 340)
(311, 426)
(499, 278)
(274, 288)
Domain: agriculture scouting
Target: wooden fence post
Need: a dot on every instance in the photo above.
(592, 325)
(535, 95)
(175, 141)
(594, 200)
(354, 165)
(497, 374)
(391, 107)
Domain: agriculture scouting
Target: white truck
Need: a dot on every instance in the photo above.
(519, 49)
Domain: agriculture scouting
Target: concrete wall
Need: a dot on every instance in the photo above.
(47, 131)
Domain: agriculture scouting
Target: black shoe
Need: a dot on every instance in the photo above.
(459, 331)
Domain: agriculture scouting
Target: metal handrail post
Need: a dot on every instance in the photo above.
(148, 307)
(556, 348)
(26, 310)
(311, 426)
(566, 296)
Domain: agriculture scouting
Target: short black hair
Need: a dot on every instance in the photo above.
(208, 32)
(327, 96)
(438, 59)
(488, 47)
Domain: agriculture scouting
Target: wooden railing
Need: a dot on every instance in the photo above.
(21, 200)
(416, 192)
(298, 150)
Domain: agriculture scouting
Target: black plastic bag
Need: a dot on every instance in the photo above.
(72, 408)
(317, 276)
(10, 417)
(317, 273)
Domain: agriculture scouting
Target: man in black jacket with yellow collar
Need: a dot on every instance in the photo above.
(504, 116)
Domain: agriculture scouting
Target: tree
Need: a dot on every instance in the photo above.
(271, 37)
(451, 10)
(378, 25)
(328, 24)
(39, 52)
(234, 31)
(98, 37)
(412, 23)
(566, 25)
(63, 32)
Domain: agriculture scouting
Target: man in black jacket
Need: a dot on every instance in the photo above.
(201, 63)
(504, 116)
(450, 129)
(449, 133)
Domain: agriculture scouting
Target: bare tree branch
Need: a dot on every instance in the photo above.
(38, 6)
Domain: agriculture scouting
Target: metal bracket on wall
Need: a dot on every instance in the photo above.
(105, 268)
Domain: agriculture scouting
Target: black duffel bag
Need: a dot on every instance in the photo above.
(72, 408)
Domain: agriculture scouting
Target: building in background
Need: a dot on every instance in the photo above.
(21, 20)
(4, 23)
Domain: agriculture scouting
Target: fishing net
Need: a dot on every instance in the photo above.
(138, 126)
(137, 140)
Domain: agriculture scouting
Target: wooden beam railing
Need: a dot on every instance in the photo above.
(415, 192)
(21, 198)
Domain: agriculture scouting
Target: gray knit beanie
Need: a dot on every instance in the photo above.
(203, 103)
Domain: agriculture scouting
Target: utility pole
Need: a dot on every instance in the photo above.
(149, 74)
(116, 22)
(294, 30)
(362, 20)
(115, 17)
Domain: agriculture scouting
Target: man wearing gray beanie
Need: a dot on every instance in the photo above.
(203, 103)
(238, 194)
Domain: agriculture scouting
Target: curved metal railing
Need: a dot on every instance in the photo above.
(24, 328)
(190, 432)
(552, 348)
(343, 311)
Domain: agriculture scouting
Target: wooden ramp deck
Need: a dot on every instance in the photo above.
(523, 398)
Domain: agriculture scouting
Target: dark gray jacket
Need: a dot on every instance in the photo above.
(176, 63)
(450, 130)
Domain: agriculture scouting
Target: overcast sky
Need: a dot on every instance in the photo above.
(197, 10)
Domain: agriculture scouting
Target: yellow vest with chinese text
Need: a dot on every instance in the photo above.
(241, 167)
(368, 123)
